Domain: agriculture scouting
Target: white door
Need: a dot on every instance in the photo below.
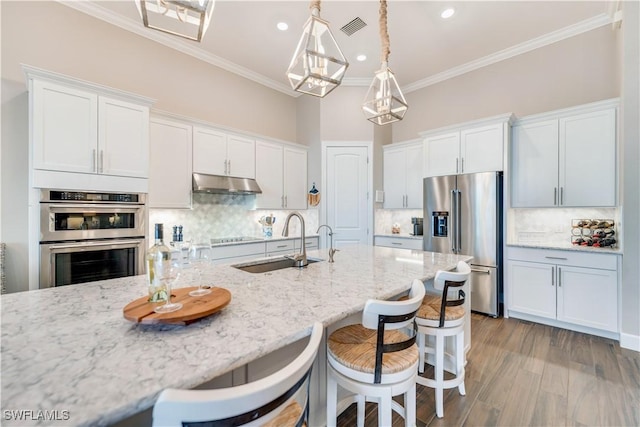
(269, 174)
(209, 151)
(481, 149)
(532, 288)
(295, 178)
(414, 166)
(241, 157)
(347, 182)
(394, 171)
(442, 154)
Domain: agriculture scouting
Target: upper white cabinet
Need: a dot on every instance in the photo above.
(403, 176)
(281, 173)
(466, 148)
(170, 164)
(79, 130)
(566, 158)
(219, 153)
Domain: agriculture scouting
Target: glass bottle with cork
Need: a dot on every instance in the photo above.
(158, 264)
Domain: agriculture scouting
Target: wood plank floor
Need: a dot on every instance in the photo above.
(526, 374)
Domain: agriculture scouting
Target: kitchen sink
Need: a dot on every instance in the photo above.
(272, 264)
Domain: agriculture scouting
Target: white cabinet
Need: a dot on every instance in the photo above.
(398, 242)
(565, 158)
(280, 247)
(77, 130)
(170, 164)
(281, 173)
(219, 153)
(403, 176)
(567, 286)
(467, 148)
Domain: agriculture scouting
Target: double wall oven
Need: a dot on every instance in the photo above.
(88, 236)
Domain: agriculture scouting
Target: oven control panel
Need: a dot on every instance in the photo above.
(82, 196)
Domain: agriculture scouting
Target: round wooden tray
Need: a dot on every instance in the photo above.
(193, 308)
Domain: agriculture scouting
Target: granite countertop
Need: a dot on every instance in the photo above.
(567, 247)
(70, 348)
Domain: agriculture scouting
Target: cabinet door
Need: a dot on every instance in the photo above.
(482, 149)
(442, 155)
(295, 178)
(588, 159)
(532, 288)
(534, 168)
(269, 175)
(209, 151)
(241, 157)
(414, 162)
(65, 128)
(394, 178)
(123, 141)
(588, 297)
(170, 164)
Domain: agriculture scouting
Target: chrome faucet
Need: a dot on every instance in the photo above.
(301, 258)
(331, 250)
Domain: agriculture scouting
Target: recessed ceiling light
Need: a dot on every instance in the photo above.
(361, 57)
(447, 13)
(283, 26)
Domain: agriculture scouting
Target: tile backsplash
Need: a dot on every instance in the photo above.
(553, 225)
(225, 215)
(385, 218)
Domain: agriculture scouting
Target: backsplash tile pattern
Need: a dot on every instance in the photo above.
(385, 218)
(552, 226)
(225, 215)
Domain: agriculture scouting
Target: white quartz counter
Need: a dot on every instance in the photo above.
(70, 349)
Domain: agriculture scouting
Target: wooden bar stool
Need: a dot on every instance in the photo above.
(443, 317)
(280, 399)
(376, 361)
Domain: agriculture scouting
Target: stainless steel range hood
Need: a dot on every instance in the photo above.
(218, 184)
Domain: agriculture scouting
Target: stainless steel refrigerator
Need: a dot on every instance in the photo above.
(463, 215)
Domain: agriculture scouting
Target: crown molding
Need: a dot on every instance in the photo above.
(538, 42)
(92, 9)
(99, 12)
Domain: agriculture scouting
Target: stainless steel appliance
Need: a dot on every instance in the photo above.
(463, 215)
(417, 226)
(88, 236)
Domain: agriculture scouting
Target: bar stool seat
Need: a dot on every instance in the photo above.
(442, 317)
(375, 360)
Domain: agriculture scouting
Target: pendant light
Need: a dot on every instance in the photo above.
(184, 18)
(318, 65)
(384, 102)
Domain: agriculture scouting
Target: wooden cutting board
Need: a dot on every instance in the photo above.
(193, 308)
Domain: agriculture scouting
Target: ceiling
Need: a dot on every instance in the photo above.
(425, 48)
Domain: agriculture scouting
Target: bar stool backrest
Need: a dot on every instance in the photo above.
(445, 280)
(254, 403)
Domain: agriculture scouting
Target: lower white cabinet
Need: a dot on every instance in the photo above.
(398, 242)
(565, 286)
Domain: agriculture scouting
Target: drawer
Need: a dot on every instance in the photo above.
(280, 246)
(397, 242)
(571, 258)
(309, 243)
(237, 250)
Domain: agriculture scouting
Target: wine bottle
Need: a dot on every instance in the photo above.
(158, 263)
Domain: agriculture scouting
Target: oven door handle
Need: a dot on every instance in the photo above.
(92, 208)
(131, 242)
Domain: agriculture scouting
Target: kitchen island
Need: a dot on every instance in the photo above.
(70, 358)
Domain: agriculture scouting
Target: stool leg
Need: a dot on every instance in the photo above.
(384, 409)
(332, 399)
(439, 375)
(421, 338)
(410, 407)
(361, 402)
(460, 361)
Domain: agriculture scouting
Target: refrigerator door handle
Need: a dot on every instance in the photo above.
(453, 224)
(477, 270)
(459, 221)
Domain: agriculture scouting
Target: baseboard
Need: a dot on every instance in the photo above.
(630, 342)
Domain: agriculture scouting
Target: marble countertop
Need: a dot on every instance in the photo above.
(70, 348)
(567, 247)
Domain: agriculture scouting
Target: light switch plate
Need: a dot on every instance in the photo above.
(379, 196)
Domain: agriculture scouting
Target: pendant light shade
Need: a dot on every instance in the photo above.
(384, 102)
(318, 65)
(183, 18)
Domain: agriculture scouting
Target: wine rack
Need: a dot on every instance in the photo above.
(597, 233)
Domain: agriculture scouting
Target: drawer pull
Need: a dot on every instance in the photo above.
(396, 243)
(281, 246)
(475, 270)
(555, 257)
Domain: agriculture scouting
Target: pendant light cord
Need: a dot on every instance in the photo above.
(384, 33)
